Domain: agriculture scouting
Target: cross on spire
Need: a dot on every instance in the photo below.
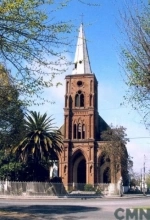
(82, 16)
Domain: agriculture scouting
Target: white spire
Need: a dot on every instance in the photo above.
(81, 61)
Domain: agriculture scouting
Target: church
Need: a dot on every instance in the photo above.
(82, 159)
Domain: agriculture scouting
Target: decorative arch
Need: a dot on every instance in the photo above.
(91, 100)
(79, 150)
(105, 175)
(91, 86)
(101, 158)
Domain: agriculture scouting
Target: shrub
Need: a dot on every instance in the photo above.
(98, 191)
(89, 187)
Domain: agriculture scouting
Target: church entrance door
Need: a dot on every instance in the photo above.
(81, 174)
(79, 171)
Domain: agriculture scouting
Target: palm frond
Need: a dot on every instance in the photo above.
(43, 138)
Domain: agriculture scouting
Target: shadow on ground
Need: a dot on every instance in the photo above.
(44, 212)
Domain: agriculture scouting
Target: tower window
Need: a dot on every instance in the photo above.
(83, 131)
(79, 83)
(74, 131)
(79, 99)
(79, 131)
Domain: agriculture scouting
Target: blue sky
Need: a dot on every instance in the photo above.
(103, 39)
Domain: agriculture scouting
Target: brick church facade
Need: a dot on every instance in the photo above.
(82, 159)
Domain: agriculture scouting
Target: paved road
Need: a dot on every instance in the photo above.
(67, 209)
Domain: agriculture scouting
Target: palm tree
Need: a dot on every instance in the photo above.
(42, 141)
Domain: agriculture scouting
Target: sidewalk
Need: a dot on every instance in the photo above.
(126, 196)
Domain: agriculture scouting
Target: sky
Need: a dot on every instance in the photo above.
(103, 41)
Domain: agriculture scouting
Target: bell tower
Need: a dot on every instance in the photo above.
(82, 160)
(81, 128)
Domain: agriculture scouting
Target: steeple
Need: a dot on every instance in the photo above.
(81, 61)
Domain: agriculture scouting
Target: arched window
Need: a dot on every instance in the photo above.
(79, 131)
(83, 131)
(74, 131)
(79, 99)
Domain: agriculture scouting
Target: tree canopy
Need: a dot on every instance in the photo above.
(115, 149)
(30, 42)
(41, 143)
(136, 57)
(11, 112)
(33, 42)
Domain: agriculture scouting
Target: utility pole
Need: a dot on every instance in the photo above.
(141, 181)
(144, 178)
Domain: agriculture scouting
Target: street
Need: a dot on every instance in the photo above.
(67, 209)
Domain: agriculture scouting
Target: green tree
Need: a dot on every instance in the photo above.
(42, 141)
(136, 57)
(30, 41)
(10, 168)
(16, 170)
(114, 148)
(11, 112)
(11, 126)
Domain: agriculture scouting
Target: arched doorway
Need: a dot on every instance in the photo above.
(106, 175)
(79, 171)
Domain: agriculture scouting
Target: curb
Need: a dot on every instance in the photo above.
(71, 197)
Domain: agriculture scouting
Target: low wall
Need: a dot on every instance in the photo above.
(31, 188)
(55, 189)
